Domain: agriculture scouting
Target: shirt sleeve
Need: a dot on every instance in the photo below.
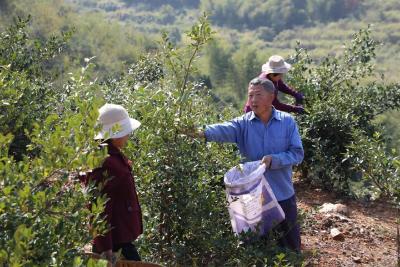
(104, 242)
(111, 184)
(283, 107)
(281, 86)
(295, 153)
(226, 132)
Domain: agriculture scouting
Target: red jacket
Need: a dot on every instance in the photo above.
(281, 86)
(122, 210)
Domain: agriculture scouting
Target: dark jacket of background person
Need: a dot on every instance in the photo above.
(122, 210)
(281, 86)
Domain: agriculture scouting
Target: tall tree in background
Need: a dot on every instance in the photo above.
(247, 66)
(220, 63)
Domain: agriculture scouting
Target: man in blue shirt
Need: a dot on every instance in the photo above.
(271, 135)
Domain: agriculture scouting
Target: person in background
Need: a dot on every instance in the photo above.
(122, 209)
(274, 71)
(271, 136)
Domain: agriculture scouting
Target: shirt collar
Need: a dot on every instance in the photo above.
(275, 115)
(253, 116)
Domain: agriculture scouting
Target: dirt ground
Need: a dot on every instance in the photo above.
(369, 232)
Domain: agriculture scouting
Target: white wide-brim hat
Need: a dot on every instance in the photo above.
(276, 64)
(115, 122)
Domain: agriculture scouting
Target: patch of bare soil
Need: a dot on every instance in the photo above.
(366, 236)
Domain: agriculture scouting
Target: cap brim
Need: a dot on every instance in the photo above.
(134, 124)
(128, 128)
(267, 69)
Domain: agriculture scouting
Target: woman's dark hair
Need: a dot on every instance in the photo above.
(274, 74)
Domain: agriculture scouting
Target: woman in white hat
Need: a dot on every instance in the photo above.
(122, 210)
(274, 70)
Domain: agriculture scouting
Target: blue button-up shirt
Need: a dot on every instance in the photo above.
(279, 138)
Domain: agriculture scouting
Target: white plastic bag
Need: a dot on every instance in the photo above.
(252, 204)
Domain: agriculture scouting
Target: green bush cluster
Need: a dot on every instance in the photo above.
(43, 207)
(338, 133)
(27, 91)
(45, 141)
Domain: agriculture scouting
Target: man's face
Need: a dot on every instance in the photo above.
(259, 99)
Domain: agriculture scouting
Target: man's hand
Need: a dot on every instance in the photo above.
(267, 160)
(193, 132)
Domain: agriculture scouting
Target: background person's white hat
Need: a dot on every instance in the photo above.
(115, 122)
(276, 64)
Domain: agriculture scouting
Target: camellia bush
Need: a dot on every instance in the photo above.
(46, 139)
(43, 207)
(28, 91)
(340, 137)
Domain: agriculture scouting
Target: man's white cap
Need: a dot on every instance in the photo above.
(115, 122)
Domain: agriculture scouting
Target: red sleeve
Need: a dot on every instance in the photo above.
(281, 86)
(283, 107)
(111, 184)
(105, 242)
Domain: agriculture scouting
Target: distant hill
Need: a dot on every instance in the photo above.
(270, 26)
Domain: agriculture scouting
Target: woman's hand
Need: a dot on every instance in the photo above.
(299, 99)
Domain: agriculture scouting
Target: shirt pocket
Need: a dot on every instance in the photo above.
(278, 144)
